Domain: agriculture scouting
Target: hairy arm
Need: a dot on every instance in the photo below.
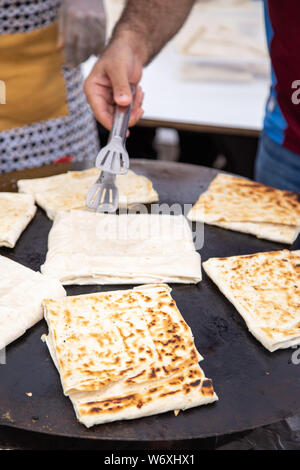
(149, 24)
(144, 28)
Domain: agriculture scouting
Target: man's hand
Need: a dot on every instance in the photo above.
(109, 82)
(81, 29)
(144, 28)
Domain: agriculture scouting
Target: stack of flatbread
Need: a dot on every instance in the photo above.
(125, 354)
(246, 206)
(220, 40)
(21, 294)
(224, 31)
(265, 289)
(68, 190)
(91, 248)
(16, 211)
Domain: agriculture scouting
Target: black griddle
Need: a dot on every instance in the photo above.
(255, 387)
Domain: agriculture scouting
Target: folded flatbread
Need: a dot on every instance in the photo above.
(246, 206)
(222, 42)
(215, 30)
(21, 293)
(125, 354)
(16, 211)
(68, 191)
(91, 248)
(265, 290)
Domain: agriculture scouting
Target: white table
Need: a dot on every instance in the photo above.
(217, 106)
(227, 107)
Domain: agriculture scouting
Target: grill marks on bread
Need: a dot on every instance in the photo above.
(129, 334)
(125, 354)
(230, 199)
(246, 206)
(190, 380)
(265, 289)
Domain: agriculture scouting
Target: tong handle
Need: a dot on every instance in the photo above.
(121, 119)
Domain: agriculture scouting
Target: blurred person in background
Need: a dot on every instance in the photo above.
(46, 115)
(147, 25)
(278, 157)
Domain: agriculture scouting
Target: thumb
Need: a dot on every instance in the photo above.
(60, 27)
(60, 41)
(121, 86)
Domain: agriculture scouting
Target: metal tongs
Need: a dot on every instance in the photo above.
(112, 160)
(103, 195)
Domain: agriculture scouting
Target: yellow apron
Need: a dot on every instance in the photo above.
(30, 68)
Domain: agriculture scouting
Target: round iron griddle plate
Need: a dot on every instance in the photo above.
(255, 387)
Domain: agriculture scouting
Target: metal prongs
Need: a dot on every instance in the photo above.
(113, 157)
(103, 195)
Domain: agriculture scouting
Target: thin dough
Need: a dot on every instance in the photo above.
(16, 211)
(21, 294)
(91, 248)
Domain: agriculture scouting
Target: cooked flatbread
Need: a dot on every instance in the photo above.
(16, 211)
(187, 389)
(274, 232)
(219, 41)
(265, 289)
(246, 206)
(21, 293)
(91, 248)
(68, 191)
(215, 30)
(123, 354)
(126, 333)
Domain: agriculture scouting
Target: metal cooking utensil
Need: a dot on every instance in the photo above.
(103, 196)
(114, 158)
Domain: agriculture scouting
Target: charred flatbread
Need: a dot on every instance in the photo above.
(265, 290)
(246, 206)
(124, 354)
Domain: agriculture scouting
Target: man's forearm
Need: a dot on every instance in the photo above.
(144, 28)
(150, 24)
